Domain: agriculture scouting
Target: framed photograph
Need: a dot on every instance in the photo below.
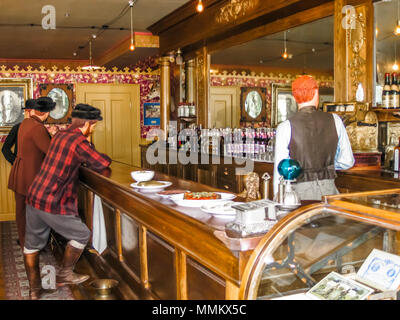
(253, 104)
(152, 113)
(283, 103)
(13, 94)
(62, 95)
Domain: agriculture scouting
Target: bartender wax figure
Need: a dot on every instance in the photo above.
(316, 139)
(11, 140)
(52, 201)
(33, 141)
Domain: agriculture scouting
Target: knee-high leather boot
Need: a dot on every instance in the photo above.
(31, 261)
(66, 275)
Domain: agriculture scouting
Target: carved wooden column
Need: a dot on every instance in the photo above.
(190, 81)
(203, 87)
(165, 93)
(353, 47)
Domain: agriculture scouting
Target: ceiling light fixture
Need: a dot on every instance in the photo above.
(179, 59)
(397, 29)
(132, 46)
(286, 55)
(395, 67)
(91, 66)
(200, 6)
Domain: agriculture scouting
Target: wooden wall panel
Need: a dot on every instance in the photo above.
(161, 267)
(130, 243)
(198, 278)
(109, 220)
(7, 201)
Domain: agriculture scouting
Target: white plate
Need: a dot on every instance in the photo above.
(178, 199)
(221, 209)
(151, 189)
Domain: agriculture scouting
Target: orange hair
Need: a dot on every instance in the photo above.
(303, 89)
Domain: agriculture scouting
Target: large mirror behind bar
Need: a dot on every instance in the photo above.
(251, 82)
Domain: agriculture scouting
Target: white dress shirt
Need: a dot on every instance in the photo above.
(344, 158)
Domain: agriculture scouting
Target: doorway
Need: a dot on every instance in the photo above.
(118, 135)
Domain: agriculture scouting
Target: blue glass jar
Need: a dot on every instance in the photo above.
(289, 169)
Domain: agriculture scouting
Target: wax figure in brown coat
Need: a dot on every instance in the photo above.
(33, 142)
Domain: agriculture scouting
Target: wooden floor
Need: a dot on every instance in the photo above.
(80, 292)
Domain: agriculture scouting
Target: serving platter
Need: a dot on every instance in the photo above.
(151, 189)
(178, 199)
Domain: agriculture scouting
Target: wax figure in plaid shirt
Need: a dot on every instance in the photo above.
(33, 142)
(52, 201)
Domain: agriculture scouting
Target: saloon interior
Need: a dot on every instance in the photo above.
(153, 65)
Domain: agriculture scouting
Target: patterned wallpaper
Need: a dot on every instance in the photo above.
(148, 80)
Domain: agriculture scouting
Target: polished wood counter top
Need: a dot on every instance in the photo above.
(120, 178)
(366, 180)
(383, 174)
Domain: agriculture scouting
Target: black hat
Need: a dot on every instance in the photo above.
(30, 104)
(44, 104)
(86, 112)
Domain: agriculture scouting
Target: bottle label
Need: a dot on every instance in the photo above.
(394, 101)
(386, 101)
(396, 160)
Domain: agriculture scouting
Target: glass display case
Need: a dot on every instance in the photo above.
(311, 242)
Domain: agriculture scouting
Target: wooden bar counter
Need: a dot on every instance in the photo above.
(157, 249)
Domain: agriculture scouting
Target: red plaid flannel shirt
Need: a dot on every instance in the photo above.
(55, 188)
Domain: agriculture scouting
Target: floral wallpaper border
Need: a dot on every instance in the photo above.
(148, 80)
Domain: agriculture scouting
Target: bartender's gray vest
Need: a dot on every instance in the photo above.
(313, 144)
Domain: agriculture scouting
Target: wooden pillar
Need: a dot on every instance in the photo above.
(190, 81)
(165, 93)
(203, 87)
(353, 48)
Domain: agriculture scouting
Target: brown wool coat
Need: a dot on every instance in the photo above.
(33, 143)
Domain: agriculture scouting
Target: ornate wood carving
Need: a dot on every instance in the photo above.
(356, 39)
(234, 9)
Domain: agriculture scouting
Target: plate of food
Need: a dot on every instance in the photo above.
(169, 193)
(198, 199)
(224, 208)
(151, 186)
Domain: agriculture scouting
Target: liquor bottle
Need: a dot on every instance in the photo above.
(396, 158)
(394, 92)
(386, 92)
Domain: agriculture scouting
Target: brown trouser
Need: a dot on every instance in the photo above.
(20, 215)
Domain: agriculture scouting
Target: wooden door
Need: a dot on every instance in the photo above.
(224, 107)
(7, 201)
(118, 135)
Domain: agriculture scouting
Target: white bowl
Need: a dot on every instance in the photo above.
(142, 175)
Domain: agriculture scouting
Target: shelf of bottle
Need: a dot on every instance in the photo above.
(388, 115)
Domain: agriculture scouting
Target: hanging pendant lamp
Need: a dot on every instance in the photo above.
(90, 66)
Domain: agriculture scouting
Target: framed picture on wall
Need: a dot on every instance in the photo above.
(62, 95)
(283, 103)
(253, 104)
(13, 94)
(151, 113)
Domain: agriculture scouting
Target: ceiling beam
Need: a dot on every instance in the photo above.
(141, 40)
